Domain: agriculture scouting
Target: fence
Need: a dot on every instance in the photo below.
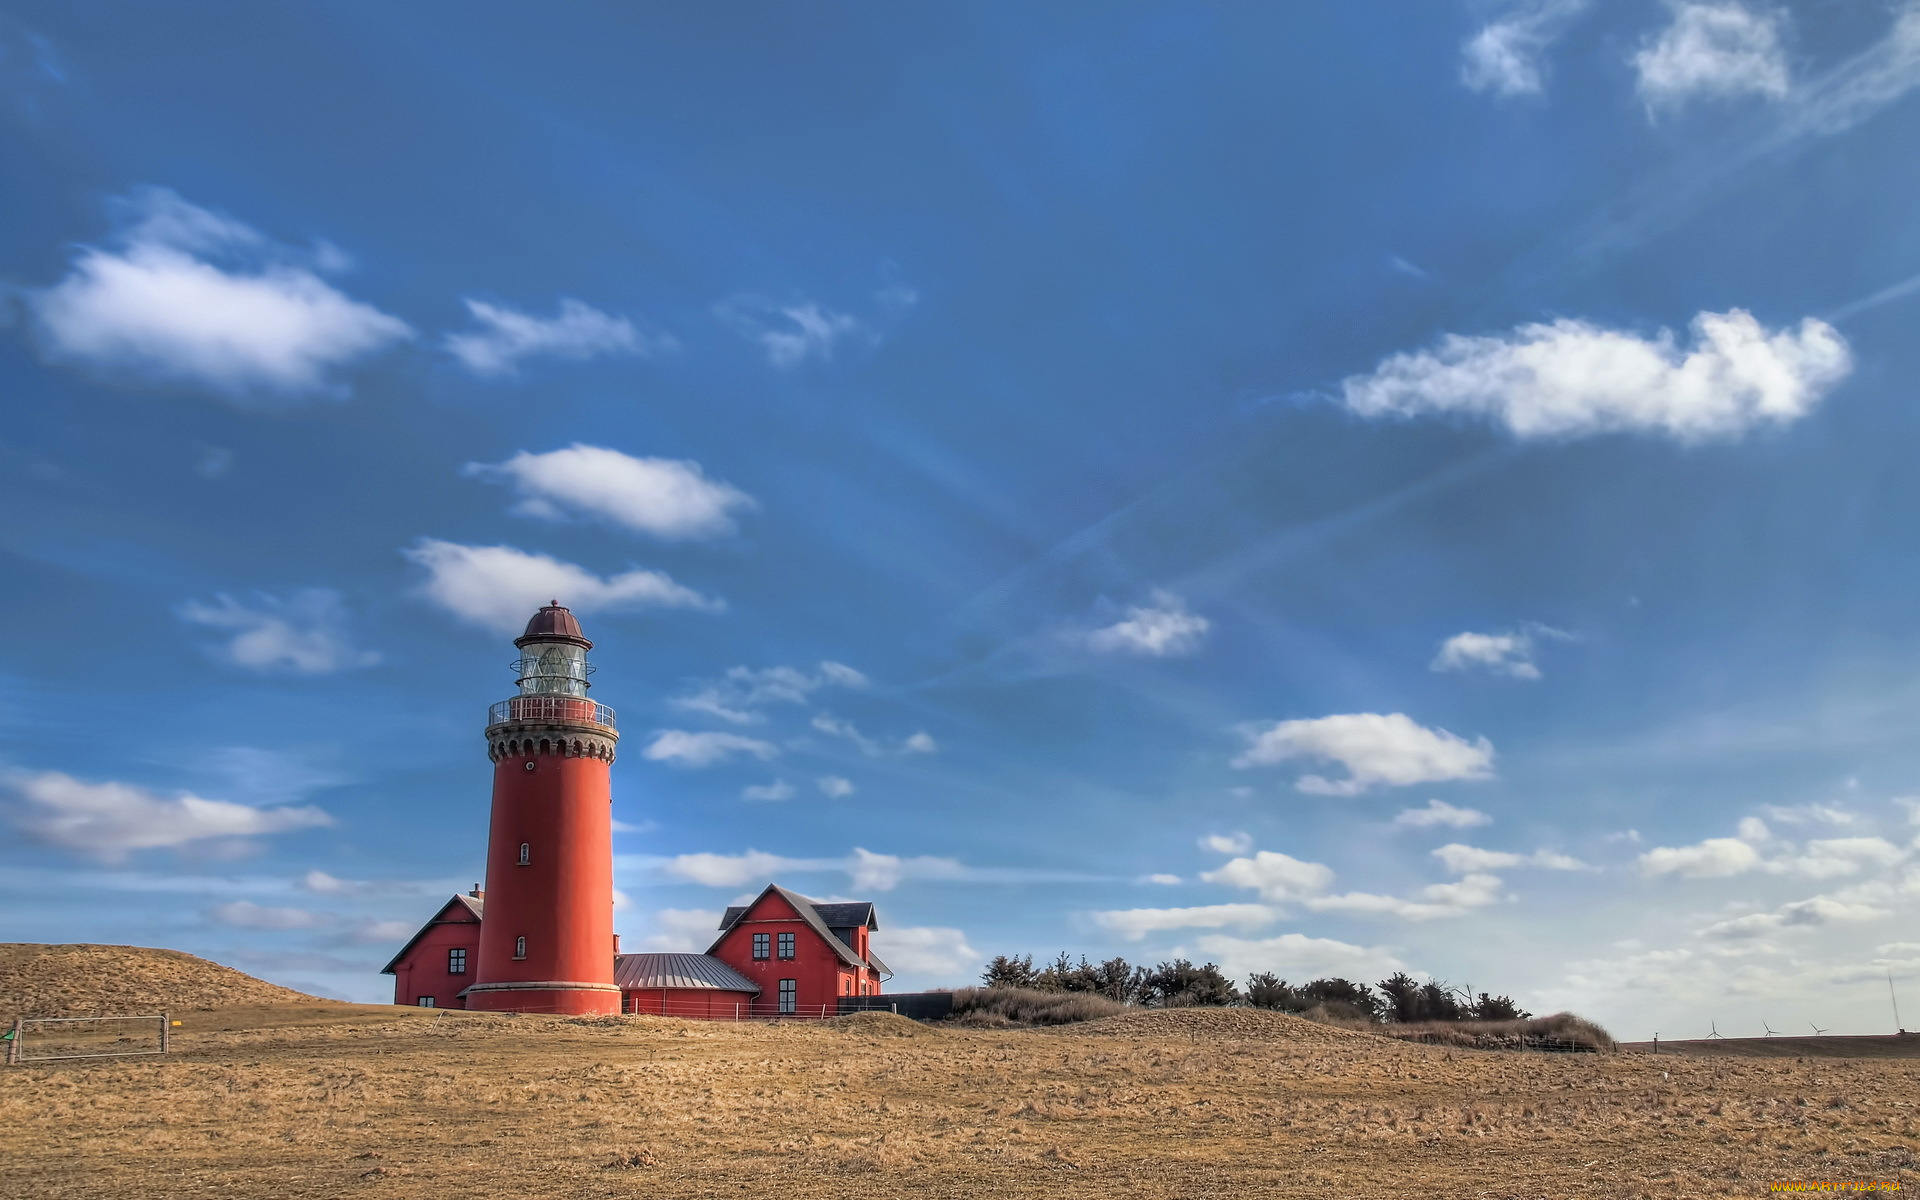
(44, 1039)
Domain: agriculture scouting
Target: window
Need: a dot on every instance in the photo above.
(846, 986)
(786, 945)
(762, 945)
(789, 993)
(520, 947)
(426, 1002)
(457, 961)
(526, 854)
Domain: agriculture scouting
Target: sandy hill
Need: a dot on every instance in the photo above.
(98, 981)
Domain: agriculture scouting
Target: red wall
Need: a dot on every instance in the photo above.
(816, 970)
(424, 972)
(562, 901)
(689, 1002)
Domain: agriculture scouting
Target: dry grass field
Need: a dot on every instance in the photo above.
(363, 1101)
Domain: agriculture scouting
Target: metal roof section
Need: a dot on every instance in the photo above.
(849, 914)
(679, 971)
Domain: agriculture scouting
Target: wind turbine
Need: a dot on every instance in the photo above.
(1716, 1030)
(1817, 1031)
(1771, 1032)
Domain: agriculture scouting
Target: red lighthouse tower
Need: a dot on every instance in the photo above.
(547, 942)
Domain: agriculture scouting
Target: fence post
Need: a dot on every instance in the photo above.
(166, 1033)
(13, 1043)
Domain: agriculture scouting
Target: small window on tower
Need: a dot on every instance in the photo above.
(786, 945)
(426, 1002)
(526, 853)
(762, 945)
(457, 961)
(520, 947)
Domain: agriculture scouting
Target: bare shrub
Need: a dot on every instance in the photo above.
(1561, 1031)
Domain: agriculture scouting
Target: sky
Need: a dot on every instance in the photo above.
(1323, 489)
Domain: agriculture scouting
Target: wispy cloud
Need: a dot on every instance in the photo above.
(1508, 56)
(1438, 813)
(792, 334)
(304, 631)
(1572, 378)
(1136, 923)
(680, 748)
(666, 498)
(1509, 653)
(737, 696)
(182, 294)
(506, 337)
(498, 587)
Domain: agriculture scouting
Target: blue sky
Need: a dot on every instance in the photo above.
(1310, 488)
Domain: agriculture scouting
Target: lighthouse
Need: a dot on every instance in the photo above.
(547, 943)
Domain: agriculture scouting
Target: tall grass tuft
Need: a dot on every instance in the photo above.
(1561, 1031)
(1005, 1006)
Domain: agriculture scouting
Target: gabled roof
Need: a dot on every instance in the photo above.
(810, 912)
(472, 904)
(679, 971)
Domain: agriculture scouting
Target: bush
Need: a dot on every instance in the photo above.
(1003, 1006)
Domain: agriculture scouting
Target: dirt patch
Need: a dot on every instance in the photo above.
(44, 980)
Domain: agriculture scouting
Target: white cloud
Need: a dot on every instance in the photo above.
(791, 334)
(684, 749)
(1817, 911)
(920, 743)
(1136, 923)
(321, 883)
(1714, 858)
(1714, 49)
(1507, 56)
(1465, 860)
(1227, 843)
(1375, 749)
(1162, 878)
(1163, 629)
(1809, 814)
(835, 787)
(370, 931)
(1277, 877)
(187, 295)
(926, 950)
(577, 331)
(306, 631)
(663, 497)
(1436, 900)
(245, 914)
(1439, 812)
(779, 789)
(682, 930)
(730, 870)
(499, 587)
(1571, 378)
(1826, 858)
(111, 820)
(1298, 956)
(1499, 653)
(734, 696)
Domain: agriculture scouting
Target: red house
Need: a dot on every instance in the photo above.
(435, 967)
(802, 954)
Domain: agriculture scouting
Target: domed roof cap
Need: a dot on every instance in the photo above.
(554, 623)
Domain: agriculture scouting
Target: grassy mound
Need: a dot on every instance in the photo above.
(1561, 1031)
(1004, 1007)
(878, 1024)
(1221, 1024)
(103, 981)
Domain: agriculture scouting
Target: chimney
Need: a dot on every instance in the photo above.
(477, 893)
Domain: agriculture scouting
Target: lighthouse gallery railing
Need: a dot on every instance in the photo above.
(552, 710)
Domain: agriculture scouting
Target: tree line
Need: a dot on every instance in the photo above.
(1181, 984)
